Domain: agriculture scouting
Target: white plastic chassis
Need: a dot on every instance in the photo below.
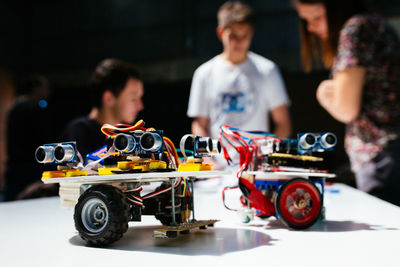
(135, 177)
(141, 178)
(285, 175)
(166, 176)
(171, 176)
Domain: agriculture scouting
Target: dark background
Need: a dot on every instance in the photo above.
(167, 40)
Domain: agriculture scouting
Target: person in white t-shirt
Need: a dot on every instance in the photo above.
(238, 87)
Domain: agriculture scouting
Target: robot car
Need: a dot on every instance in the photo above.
(280, 177)
(106, 187)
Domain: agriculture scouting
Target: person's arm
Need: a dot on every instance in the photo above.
(281, 118)
(200, 126)
(341, 97)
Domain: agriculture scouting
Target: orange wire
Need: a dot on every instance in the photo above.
(174, 153)
(109, 129)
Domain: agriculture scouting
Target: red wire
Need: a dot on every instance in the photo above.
(111, 131)
(248, 149)
(223, 196)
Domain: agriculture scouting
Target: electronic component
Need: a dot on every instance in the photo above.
(64, 153)
(45, 154)
(315, 142)
(145, 142)
(56, 153)
(280, 177)
(201, 146)
(205, 146)
(130, 150)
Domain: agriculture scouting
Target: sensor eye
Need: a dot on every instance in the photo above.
(328, 140)
(44, 154)
(307, 141)
(216, 146)
(124, 143)
(204, 145)
(64, 152)
(151, 141)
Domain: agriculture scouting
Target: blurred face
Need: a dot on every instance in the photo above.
(315, 16)
(129, 102)
(236, 38)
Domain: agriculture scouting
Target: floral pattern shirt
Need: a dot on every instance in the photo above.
(370, 42)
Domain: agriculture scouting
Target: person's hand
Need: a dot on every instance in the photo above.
(325, 93)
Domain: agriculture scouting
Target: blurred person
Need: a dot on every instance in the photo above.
(237, 87)
(28, 126)
(116, 91)
(363, 52)
(6, 102)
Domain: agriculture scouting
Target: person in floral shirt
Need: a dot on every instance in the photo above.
(363, 52)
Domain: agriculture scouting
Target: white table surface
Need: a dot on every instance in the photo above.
(359, 230)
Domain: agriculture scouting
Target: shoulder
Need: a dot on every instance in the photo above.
(80, 121)
(82, 128)
(82, 125)
(262, 64)
(205, 68)
(368, 33)
(365, 24)
(365, 19)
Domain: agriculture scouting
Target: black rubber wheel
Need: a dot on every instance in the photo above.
(102, 215)
(299, 203)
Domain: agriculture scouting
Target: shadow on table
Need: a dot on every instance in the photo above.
(345, 226)
(333, 226)
(213, 241)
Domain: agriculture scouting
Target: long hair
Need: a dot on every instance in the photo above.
(337, 13)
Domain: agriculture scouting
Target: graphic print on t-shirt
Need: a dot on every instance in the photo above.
(237, 103)
(233, 102)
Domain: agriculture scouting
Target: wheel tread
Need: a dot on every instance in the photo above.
(118, 210)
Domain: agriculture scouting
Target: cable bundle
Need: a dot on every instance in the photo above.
(113, 130)
(246, 143)
(132, 196)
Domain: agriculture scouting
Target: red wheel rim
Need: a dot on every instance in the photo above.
(300, 203)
